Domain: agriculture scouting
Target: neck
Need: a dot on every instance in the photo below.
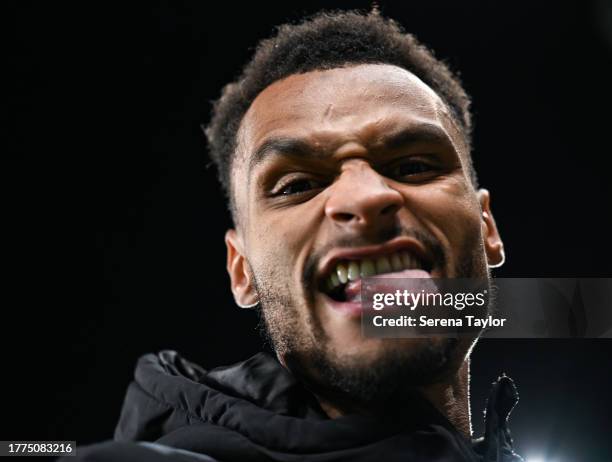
(450, 398)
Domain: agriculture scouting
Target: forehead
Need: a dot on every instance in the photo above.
(340, 104)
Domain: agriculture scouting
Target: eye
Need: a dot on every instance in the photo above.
(410, 168)
(298, 186)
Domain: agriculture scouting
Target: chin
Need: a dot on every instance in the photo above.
(377, 369)
(370, 351)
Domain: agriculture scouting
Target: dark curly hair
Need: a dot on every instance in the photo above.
(324, 41)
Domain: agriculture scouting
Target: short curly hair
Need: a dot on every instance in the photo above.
(328, 40)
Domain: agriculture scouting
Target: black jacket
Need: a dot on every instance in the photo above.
(257, 411)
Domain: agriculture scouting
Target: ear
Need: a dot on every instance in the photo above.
(239, 270)
(494, 246)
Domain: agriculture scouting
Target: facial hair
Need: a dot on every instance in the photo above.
(400, 365)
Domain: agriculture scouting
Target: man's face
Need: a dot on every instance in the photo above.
(345, 172)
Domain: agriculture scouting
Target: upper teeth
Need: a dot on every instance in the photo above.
(352, 270)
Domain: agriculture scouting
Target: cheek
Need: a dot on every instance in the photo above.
(450, 210)
(284, 238)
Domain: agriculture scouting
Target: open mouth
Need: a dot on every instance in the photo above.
(342, 279)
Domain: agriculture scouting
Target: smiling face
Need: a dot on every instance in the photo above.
(345, 173)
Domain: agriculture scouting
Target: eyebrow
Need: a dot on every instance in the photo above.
(422, 133)
(299, 147)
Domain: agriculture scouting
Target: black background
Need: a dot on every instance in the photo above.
(115, 225)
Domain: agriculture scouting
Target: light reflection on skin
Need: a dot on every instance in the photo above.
(351, 157)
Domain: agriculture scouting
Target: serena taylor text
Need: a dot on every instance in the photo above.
(424, 321)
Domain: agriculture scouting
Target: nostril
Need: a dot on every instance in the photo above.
(390, 209)
(344, 217)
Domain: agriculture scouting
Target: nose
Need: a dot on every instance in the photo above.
(360, 198)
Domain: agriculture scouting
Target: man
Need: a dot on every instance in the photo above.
(344, 149)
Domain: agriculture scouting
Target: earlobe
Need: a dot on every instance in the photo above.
(494, 246)
(239, 271)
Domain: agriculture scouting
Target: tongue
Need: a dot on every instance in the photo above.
(352, 290)
(405, 274)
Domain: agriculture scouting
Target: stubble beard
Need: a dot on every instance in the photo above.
(399, 366)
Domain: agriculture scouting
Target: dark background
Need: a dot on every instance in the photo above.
(115, 225)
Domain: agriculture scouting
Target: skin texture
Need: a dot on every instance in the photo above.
(343, 187)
